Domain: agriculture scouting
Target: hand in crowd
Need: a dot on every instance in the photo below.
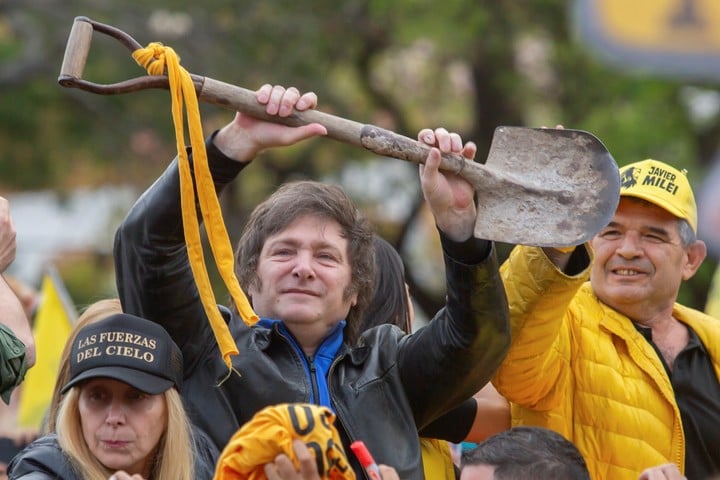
(121, 475)
(388, 473)
(22, 436)
(283, 469)
(667, 471)
(7, 236)
(246, 137)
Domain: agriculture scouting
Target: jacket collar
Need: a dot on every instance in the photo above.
(266, 330)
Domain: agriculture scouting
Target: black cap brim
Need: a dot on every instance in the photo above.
(145, 382)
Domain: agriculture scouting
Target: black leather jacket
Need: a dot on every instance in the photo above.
(383, 389)
(43, 459)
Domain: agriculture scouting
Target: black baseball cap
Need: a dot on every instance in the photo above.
(126, 348)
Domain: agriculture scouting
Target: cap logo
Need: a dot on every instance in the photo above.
(655, 177)
(116, 344)
(629, 177)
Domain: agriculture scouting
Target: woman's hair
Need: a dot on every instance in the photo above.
(174, 454)
(94, 312)
(390, 302)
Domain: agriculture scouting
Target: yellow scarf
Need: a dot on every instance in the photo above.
(157, 60)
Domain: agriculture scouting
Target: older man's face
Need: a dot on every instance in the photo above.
(640, 261)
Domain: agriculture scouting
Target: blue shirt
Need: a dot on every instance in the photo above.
(317, 366)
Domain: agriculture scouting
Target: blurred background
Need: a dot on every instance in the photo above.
(643, 76)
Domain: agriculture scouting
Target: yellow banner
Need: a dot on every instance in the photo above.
(691, 26)
(671, 38)
(53, 322)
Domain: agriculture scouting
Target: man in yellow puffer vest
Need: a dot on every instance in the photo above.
(615, 364)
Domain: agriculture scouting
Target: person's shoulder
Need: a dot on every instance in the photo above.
(11, 345)
(42, 459)
(203, 444)
(380, 343)
(380, 334)
(585, 298)
(13, 363)
(703, 324)
(206, 453)
(44, 447)
(587, 311)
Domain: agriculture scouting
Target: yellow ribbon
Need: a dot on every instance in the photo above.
(158, 59)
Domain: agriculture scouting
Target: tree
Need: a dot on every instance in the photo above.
(469, 65)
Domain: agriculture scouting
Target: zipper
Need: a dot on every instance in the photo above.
(313, 379)
(314, 391)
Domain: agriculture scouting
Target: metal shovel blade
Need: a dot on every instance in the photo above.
(569, 188)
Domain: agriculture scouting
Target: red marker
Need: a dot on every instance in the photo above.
(366, 460)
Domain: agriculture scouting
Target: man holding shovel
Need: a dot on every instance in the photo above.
(306, 262)
(615, 364)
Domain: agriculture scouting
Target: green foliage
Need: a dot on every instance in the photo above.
(469, 65)
(89, 280)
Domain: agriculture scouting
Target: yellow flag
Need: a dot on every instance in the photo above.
(53, 321)
(712, 307)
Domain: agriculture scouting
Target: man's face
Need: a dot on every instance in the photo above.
(640, 260)
(303, 275)
(477, 472)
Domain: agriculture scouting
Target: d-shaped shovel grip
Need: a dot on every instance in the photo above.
(77, 50)
(373, 138)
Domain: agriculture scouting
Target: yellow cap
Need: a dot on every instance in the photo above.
(662, 185)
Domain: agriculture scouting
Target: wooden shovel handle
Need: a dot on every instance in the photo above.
(375, 139)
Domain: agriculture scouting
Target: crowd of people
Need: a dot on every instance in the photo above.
(563, 363)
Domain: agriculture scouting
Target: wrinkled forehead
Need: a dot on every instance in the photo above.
(633, 208)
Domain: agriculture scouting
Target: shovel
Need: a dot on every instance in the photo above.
(542, 187)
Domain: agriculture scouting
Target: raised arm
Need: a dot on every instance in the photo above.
(466, 341)
(13, 316)
(537, 366)
(153, 273)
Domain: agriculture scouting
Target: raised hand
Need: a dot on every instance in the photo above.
(7, 236)
(121, 475)
(667, 471)
(450, 197)
(283, 469)
(245, 137)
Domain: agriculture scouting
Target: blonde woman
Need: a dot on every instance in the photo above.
(92, 313)
(121, 413)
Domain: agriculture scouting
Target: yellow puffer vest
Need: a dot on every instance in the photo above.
(582, 369)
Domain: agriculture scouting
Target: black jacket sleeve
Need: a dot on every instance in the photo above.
(462, 346)
(42, 460)
(454, 425)
(151, 260)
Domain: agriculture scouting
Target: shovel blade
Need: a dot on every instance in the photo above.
(562, 187)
